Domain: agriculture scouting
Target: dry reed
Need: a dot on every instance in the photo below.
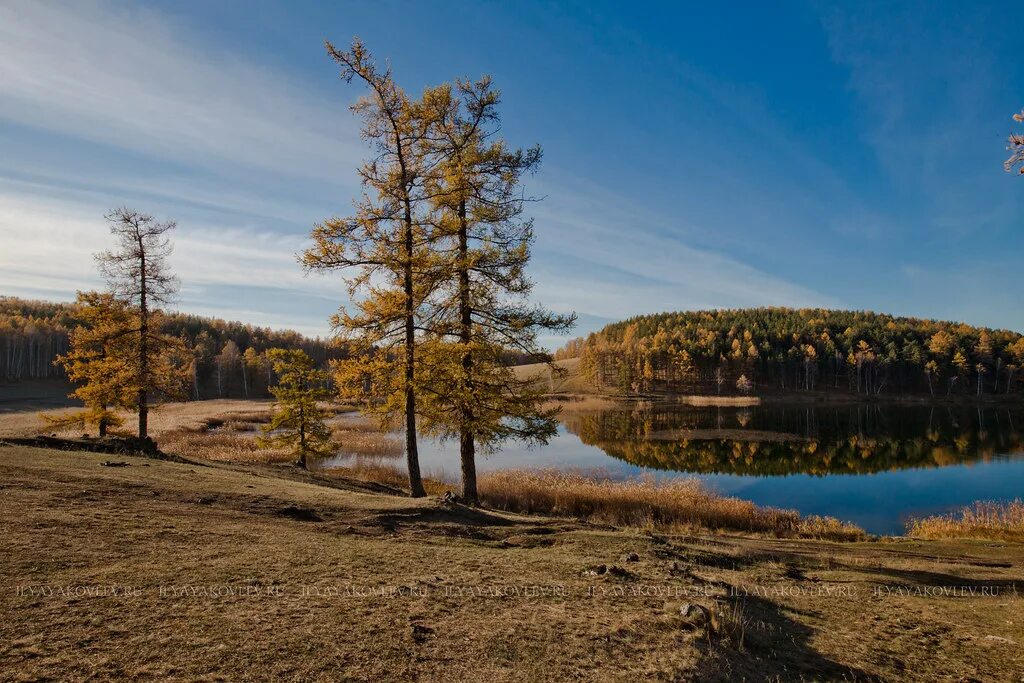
(366, 442)
(983, 519)
(633, 502)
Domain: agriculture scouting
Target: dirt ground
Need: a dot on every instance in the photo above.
(163, 571)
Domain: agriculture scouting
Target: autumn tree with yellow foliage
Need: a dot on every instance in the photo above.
(383, 251)
(783, 349)
(139, 277)
(99, 361)
(478, 305)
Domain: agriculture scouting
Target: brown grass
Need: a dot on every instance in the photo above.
(720, 400)
(984, 519)
(388, 475)
(224, 446)
(678, 504)
(162, 419)
(221, 430)
(572, 382)
(67, 521)
(829, 528)
(226, 431)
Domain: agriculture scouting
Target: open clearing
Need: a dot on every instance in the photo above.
(213, 571)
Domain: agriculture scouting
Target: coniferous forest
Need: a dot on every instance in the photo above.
(800, 350)
(221, 359)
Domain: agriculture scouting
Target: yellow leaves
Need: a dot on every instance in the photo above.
(941, 343)
(104, 357)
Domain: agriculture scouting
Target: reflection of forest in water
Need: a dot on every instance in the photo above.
(776, 440)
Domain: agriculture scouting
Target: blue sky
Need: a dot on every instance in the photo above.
(846, 155)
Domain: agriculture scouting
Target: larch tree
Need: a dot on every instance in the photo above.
(382, 250)
(298, 420)
(480, 310)
(138, 274)
(1016, 148)
(100, 362)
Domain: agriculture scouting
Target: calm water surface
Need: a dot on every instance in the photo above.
(872, 465)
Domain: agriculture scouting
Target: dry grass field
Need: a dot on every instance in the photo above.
(213, 571)
(647, 504)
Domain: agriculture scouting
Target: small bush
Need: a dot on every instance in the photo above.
(829, 529)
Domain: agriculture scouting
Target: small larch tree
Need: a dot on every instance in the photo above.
(100, 362)
(138, 274)
(298, 421)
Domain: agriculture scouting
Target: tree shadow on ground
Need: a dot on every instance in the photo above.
(759, 642)
(915, 578)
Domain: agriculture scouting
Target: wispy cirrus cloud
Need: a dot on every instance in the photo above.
(934, 116)
(131, 78)
(608, 257)
(236, 273)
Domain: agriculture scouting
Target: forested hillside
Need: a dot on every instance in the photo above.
(801, 350)
(228, 359)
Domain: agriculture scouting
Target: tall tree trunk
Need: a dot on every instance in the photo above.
(411, 452)
(143, 340)
(467, 445)
(302, 437)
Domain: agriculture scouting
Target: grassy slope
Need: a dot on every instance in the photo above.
(571, 383)
(66, 520)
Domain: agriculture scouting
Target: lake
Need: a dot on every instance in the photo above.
(874, 465)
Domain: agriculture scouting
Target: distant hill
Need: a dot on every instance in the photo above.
(33, 333)
(798, 350)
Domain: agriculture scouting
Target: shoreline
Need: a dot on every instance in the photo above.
(797, 399)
